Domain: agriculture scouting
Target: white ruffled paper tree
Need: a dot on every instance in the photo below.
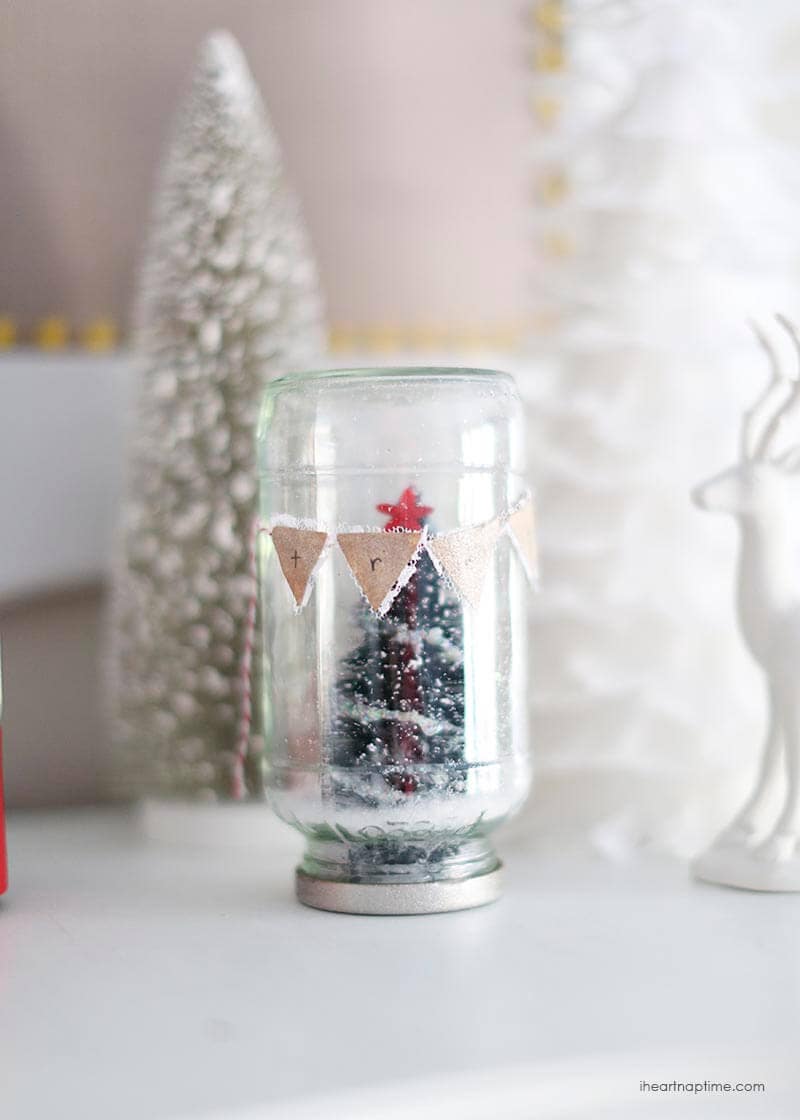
(680, 216)
(228, 296)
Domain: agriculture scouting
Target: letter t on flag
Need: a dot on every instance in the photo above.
(298, 551)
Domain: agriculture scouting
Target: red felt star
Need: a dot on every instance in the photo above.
(405, 513)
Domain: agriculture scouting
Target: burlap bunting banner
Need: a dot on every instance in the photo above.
(378, 560)
(299, 551)
(464, 557)
(522, 530)
(382, 561)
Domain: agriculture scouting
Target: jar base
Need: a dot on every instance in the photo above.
(398, 898)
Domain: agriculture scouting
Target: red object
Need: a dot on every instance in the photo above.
(3, 860)
(405, 513)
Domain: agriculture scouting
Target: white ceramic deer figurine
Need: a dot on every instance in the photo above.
(760, 849)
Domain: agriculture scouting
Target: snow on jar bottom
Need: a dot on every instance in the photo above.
(396, 551)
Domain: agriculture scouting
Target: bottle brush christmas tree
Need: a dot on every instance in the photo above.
(228, 296)
(400, 695)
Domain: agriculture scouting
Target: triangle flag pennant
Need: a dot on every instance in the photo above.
(299, 551)
(377, 561)
(522, 530)
(464, 557)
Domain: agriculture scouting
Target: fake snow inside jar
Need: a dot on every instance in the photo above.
(395, 561)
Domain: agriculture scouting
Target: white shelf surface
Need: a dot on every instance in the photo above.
(142, 978)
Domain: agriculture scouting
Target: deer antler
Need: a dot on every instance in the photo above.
(786, 407)
(752, 417)
(790, 460)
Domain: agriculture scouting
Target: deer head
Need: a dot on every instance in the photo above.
(762, 480)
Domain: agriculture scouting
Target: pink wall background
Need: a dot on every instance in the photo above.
(404, 126)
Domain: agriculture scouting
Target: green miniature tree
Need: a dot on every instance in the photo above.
(399, 728)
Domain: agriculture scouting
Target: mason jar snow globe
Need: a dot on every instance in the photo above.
(394, 563)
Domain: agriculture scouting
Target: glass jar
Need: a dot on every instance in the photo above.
(396, 740)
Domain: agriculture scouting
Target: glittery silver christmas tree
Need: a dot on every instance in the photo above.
(228, 296)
